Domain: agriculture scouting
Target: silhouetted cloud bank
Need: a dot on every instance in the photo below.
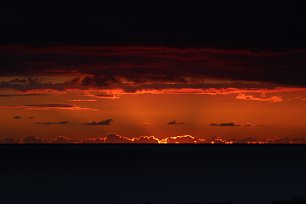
(102, 122)
(112, 138)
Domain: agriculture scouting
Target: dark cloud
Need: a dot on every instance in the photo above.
(33, 140)
(62, 140)
(175, 123)
(249, 125)
(9, 140)
(136, 68)
(102, 122)
(118, 139)
(146, 140)
(185, 139)
(46, 107)
(247, 140)
(219, 140)
(97, 140)
(114, 138)
(51, 105)
(20, 117)
(232, 124)
(290, 140)
(34, 83)
(103, 96)
(19, 95)
(19, 81)
(103, 80)
(229, 124)
(52, 123)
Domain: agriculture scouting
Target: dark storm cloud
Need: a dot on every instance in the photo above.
(102, 122)
(52, 123)
(134, 68)
(17, 117)
(175, 123)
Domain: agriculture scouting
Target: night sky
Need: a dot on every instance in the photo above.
(153, 72)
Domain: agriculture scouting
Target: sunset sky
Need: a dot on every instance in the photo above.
(207, 74)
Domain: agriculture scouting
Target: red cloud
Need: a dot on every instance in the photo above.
(47, 107)
(114, 138)
(146, 140)
(185, 139)
(273, 99)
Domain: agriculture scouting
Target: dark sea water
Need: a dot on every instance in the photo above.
(151, 173)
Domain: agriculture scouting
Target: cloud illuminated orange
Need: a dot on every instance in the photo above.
(273, 99)
(47, 107)
(184, 139)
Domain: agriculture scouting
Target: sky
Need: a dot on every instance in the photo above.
(213, 72)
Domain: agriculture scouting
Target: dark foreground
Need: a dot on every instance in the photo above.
(151, 173)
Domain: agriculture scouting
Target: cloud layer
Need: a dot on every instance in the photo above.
(138, 68)
(184, 139)
(46, 107)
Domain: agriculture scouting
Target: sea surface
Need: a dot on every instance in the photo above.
(151, 173)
